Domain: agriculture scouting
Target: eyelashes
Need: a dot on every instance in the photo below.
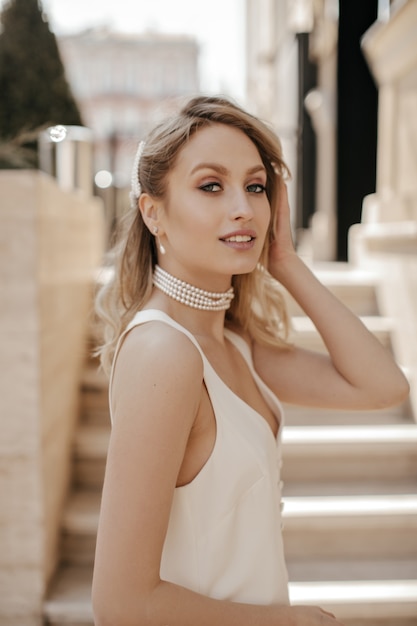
(256, 188)
(209, 187)
(216, 187)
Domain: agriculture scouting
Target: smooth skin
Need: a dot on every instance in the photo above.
(163, 423)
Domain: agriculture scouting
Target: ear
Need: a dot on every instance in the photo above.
(150, 211)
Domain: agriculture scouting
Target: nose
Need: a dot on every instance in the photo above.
(241, 207)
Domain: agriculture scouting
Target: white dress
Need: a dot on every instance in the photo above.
(224, 534)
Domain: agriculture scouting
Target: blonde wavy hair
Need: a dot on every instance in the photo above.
(258, 306)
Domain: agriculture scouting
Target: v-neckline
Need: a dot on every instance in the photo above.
(257, 415)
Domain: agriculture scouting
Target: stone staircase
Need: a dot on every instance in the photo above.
(350, 487)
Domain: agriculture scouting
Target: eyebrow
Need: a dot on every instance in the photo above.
(223, 170)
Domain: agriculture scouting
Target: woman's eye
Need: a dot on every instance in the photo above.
(256, 188)
(211, 187)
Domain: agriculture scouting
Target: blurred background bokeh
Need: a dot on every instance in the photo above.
(115, 69)
(81, 83)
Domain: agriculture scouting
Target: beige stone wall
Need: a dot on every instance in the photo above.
(51, 244)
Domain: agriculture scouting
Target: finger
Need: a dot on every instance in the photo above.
(282, 187)
(333, 618)
(329, 614)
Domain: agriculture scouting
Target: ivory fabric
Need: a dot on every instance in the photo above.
(224, 536)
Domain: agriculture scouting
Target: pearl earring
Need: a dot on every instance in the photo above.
(160, 246)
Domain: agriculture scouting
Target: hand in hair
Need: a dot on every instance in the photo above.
(281, 245)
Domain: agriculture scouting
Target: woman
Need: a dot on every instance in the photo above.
(189, 530)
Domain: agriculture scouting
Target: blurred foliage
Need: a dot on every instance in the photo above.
(33, 87)
(20, 152)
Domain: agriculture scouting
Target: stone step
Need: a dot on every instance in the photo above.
(69, 600)
(362, 602)
(90, 452)
(348, 569)
(94, 395)
(355, 287)
(79, 528)
(306, 335)
(358, 601)
(380, 452)
(355, 526)
(353, 488)
(349, 453)
(361, 592)
(296, 415)
(314, 526)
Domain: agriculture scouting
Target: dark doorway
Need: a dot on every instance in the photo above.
(306, 149)
(357, 98)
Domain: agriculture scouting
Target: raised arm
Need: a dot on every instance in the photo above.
(358, 371)
(155, 402)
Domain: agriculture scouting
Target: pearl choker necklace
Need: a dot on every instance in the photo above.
(189, 295)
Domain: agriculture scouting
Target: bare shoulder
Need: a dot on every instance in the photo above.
(158, 338)
(155, 357)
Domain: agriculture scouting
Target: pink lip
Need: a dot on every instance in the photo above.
(240, 245)
(245, 233)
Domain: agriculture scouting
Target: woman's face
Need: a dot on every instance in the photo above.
(216, 213)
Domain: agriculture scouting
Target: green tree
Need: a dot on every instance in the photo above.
(34, 92)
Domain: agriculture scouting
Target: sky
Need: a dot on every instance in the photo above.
(218, 25)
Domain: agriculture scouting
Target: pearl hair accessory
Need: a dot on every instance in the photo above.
(189, 295)
(136, 187)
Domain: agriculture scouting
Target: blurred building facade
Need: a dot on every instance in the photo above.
(307, 74)
(271, 72)
(123, 84)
